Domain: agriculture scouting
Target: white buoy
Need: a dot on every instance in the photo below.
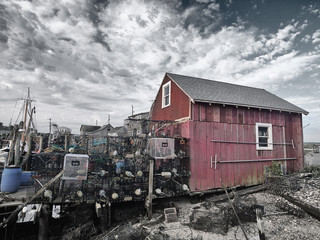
(185, 187)
(139, 173)
(137, 192)
(114, 196)
(158, 191)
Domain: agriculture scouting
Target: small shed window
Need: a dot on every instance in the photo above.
(264, 136)
(166, 90)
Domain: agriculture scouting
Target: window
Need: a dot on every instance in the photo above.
(166, 89)
(264, 136)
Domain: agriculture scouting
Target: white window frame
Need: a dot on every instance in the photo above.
(164, 105)
(270, 139)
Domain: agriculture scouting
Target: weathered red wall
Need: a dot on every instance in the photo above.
(215, 122)
(179, 105)
(229, 123)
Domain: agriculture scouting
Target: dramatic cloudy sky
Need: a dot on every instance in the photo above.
(85, 59)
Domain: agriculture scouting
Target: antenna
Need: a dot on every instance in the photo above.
(108, 118)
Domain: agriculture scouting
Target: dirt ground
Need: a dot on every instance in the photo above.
(205, 219)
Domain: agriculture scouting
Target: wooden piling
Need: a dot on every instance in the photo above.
(12, 145)
(151, 166)
(40, 144)
(66, 138)
(262, 235)
(17, 150)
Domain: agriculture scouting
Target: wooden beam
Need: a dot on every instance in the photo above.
(151, 166)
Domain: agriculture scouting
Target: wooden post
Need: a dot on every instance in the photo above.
(66, 137)
(43, 223)
(12, 145)
(40, 144)
(151, 166)
(260, 224)
(17, 150)
(30, 140)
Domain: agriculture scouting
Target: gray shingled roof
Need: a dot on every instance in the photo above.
(89, 128)
(204, 90)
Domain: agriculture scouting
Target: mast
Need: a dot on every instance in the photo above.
(26, 127)
(27, 102)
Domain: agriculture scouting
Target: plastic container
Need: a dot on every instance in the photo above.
(26, 178)
(11, 179)
(119, 166)
(161, 148)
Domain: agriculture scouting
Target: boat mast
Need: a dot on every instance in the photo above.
(25, 114)
(27, 102)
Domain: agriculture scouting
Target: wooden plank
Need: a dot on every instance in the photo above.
(211, 155)
(228, 114)
(282, 119)
(196, 112)
(242, 176)
(233, 151)
(223, 113)
(193, 177)
(243, 192)
(234, 115)
(217, 147)
(150, 190)
(223, 151)
(241, 117)
(209, 113)
(236, 155)
(228, 182)
(216, 113)
(203, 111)
(203, 161)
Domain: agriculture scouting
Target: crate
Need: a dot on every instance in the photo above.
(75, 167)
(170, 215)
(161, 148)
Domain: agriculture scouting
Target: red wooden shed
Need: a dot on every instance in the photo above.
(233, 131)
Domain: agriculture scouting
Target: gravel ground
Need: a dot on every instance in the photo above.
(206, 220)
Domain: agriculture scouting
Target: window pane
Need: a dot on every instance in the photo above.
(263, 142)
(166, 100)
(263, 131)
(166, 90)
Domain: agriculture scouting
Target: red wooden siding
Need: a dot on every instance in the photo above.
(236, 124)
(179, 105)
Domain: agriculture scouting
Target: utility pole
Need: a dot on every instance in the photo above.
(108, 118)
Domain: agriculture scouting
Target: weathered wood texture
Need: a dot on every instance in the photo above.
(179, 106)
(232, 124)
(238, 125)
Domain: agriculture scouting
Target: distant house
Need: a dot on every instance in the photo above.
(4, 133)
(86, 129)
(4, 129)
(232, 132)
(118, 132)
(137, 124)
(102, 131)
